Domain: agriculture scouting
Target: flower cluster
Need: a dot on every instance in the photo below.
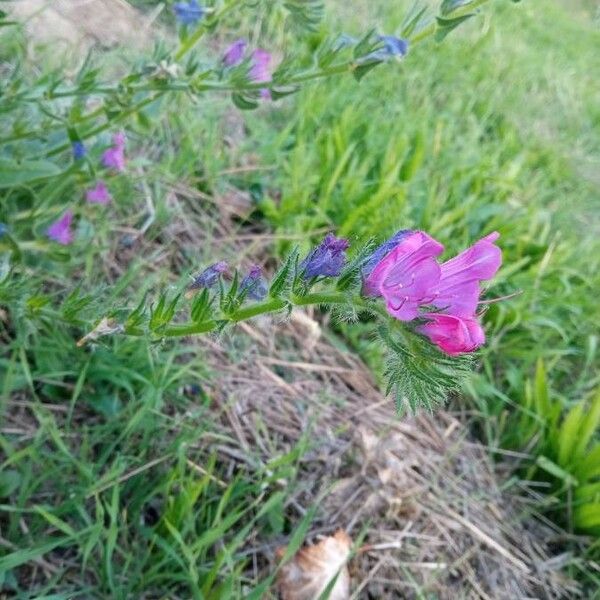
(252, 286)
(259, 60)
(441, 297)
(413, 284)
(113, 159)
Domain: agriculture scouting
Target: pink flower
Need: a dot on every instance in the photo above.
(114, 157)
(454, 335)
(260, 70)
(407, 276)
(458, 290)
(60, 230)
(235, 53)
(99, 194)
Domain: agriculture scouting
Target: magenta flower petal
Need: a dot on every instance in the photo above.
(260, 70)
(453, 335)
(406, 277)
(114, 157)
(99, 194)
(458, 291)
(60, 230)
(235, 53)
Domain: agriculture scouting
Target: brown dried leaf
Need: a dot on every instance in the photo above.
(105, 327)
(308, 574)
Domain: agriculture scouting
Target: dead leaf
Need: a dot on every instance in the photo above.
(105, 327)
(313, 568)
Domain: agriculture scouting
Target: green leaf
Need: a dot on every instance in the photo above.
(587, 516)
(282, 279)
(414, 158)
(590, 422)
(555, 470)
(449, 6)
(568, 433)
(243, 103)
(9, 482)
(445, 26)
(14, 173)
(420, 375)
(589, 466)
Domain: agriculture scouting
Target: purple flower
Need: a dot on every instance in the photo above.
(327, 259)
(3, 229)
(209, 276)
(114, 157)
(253, 284)
(392, 47)
(79, 150)
(260, 70)
(459, 287)
(188, 13)
(453, 335)
(235, 53)
(60, 230)
(407, 277)
(99, 194)
(383, 249)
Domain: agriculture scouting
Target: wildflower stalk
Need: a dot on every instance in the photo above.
(433, 27)
(188, 44)
(271, 305)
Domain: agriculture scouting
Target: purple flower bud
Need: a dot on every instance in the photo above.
(253, 284)
(209, 276)
(60, 230)
(188, 13)
(79, 150)
(99, 194)
(235, 53)
(327, 259)
(393, 47)
(114, 157)
(260, 70)
(384, 249)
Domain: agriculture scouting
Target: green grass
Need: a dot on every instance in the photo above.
(498, 128)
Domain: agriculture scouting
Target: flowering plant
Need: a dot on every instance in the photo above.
(423, 300)
(75, 134)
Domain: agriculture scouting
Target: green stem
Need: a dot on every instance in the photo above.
(432, 28)
(189, 329)
(243, 314)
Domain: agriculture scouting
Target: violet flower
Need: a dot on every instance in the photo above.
(253, 284)
(327, 259)
(209, 276)
(60, 230)
(260, 71)
(383, 249)
(392, 47)
(453, 335)
(407, 277)
(114, 157)
(79, 150)
(99, 194)
(459, 288)
(188, 13)
(235, 53)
